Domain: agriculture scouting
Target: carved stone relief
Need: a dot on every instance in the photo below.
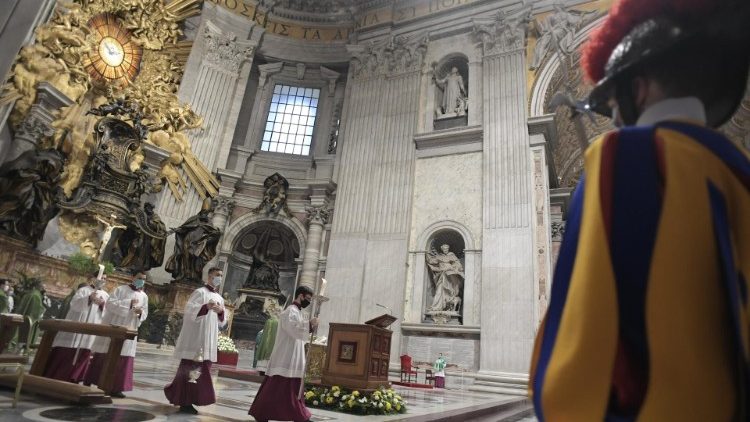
(556, 32)
(397, 54)
(224, 51)
(504, 32)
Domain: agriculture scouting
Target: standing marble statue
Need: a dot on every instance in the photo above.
(447, 278)
(195, 245)
(454, 93)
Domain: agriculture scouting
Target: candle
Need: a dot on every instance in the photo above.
(101, 272)
(323, 287)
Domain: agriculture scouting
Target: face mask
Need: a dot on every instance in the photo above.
(138, 283)
(305, 303)
(216, 281)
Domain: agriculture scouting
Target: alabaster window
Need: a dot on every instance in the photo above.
(291, 119)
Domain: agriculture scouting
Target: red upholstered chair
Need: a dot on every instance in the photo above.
(407, 370)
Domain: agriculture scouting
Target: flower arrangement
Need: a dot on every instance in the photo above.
(383, 401)
(226, 345)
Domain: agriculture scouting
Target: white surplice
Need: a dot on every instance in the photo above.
(200, 333)
(81, 310)
(288, 355)
(118, 311)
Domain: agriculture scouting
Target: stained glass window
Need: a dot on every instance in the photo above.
(291, 119)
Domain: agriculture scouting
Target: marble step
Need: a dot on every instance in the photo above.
(508, 411)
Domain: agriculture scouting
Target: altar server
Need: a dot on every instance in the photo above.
(197, 346)
(71, 352)
(126, 307)
(278, 396)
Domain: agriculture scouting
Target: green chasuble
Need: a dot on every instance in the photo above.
(3, 302)
(264, 349)
(258, 338)
(31, 306)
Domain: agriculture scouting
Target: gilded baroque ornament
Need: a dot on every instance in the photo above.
(108, 35)
(396, 55)
(224, 51)
(504, 32)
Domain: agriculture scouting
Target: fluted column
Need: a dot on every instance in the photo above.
(317, 217)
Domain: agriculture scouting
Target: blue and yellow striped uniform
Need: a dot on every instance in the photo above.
(648, 316)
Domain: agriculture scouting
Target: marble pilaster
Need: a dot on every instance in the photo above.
(368, 248)
(507, 314)
(214, 82)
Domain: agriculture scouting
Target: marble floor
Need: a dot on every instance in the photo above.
(154, 368)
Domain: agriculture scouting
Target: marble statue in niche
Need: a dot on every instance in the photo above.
(447, 277)
(455, 99)
(446, 273)
(450, 78)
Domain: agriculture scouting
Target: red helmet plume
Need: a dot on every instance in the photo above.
(624, 15)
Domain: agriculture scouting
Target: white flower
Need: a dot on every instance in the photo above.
(336, 394)
(315, 402)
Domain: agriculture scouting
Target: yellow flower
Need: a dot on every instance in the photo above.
(398, 407)
(335, 388)
(387, 406)
(329, 400)
(355, 393)
(350, 403)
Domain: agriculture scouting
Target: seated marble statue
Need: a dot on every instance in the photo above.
(447, 278)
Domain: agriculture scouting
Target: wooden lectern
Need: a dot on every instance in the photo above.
(358, 355)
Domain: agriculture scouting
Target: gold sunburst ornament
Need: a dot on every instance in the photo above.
(116, 58)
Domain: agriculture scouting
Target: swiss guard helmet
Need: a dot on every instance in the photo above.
(695, 48)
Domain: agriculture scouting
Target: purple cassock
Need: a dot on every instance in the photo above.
(274, 391)
(83, 308)
(182, 392)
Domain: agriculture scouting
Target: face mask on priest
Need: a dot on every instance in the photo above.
(139, 281)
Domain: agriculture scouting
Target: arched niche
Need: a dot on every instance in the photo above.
(460, 244)
(286, 241)
(450, 84)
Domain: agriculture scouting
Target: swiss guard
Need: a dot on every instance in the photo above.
(648, 315)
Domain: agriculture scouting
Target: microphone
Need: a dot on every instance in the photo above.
(385, 307)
